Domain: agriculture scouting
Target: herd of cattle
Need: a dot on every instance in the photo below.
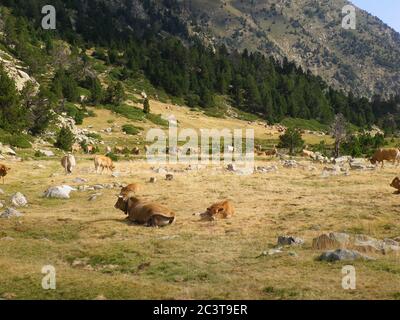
(155, 215)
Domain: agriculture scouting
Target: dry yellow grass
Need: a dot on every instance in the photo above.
(192, 259)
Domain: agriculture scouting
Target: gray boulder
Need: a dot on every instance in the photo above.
(19, 200)
(59, 192)
(342, 255)
(289, 241)
(11, 213)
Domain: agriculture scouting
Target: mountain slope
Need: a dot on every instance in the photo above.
(309, 32)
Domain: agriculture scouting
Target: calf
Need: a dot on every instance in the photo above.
(3, 171)
(220, 210)
(103, 162)
(396, 184)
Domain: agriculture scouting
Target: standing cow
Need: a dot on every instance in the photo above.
(103, 162)
(382, 155)
(68, 162)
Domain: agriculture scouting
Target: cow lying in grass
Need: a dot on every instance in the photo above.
(220, 210)
(396, 184)
(149, 214)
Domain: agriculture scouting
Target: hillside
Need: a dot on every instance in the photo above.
(309, 32)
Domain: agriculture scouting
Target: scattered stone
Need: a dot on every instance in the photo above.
(358, 164)
(153, 180)
(333, 240)
(343, 255)
(289, 241)
(293, 254)
(7, 239)
(160, 170)
(5, 150)
(231, 167)
(39, 166)
(169, 177)
(100, 297)
(272, 252)
(11, 213)
(267, 169)
(116, 174)
(342, 160)
(19, 200)
(94, 197)
(98, 187)
(59, 192)
(2, 192)
(290, 164)
(79, 180)
(47, 153)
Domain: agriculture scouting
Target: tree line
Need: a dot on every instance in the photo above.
(192, 71)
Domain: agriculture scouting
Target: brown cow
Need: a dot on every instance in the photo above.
(136, 151)
(381, 155)
(220, 210)
(90, 149)
(3, 171)
(130, 189)
(150, 214)
(103, 162)
(271, 153)
(396, 184)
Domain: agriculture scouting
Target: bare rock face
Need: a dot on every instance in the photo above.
(331, 241)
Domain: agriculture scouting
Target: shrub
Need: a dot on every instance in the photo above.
(65, 139)
(19, 141)
(146, 106)
(112, 156)
(291, 140)
(131, 129)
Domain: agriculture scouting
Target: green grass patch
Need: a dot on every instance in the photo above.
(22, 141)
(304, 124)
(131, 129)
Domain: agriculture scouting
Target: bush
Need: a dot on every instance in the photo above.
(112, 156)
(65, 139)
(19, 141)
(146, 106)
(131, 129)
(291, 140)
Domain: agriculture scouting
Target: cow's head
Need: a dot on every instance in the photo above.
(214, 210)
(122, 204)
(395, 183)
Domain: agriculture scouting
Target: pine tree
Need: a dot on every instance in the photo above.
(13, 116)
(146, 106)
(65, 139)
(291, 140)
